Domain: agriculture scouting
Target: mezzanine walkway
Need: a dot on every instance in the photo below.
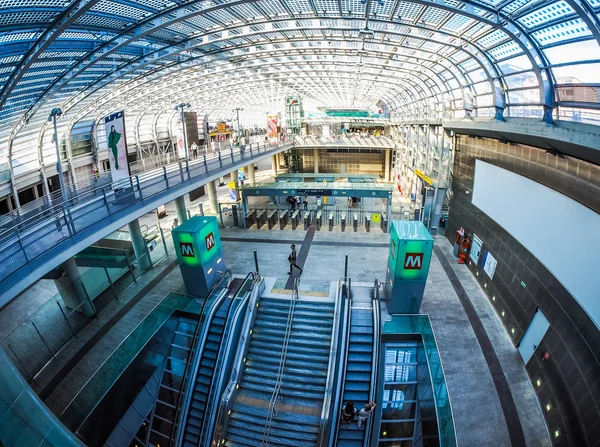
(40, 243)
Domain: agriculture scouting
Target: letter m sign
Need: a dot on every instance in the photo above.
(210, 241)
(187, 250)
(413, 261)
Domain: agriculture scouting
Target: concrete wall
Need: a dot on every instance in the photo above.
(570, 378)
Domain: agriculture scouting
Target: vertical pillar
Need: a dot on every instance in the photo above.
(316, 156)
(139, 245)
(72, 290)
(274, 165)
(251, 177)
(212, 196)
(234, 179)
(182, 215)
(387, 165)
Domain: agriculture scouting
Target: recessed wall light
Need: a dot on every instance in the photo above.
(556, 433)
(548, 407)
(503, 313)
(538, 382)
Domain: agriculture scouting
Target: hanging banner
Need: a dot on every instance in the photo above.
(117, 149)
(272, 128)
(180, 146)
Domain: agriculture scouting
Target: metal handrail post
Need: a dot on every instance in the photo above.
(166, 178)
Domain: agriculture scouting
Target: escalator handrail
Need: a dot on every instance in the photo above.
(193, 356)
(325, 416)
(375, 362)
(282, 361)
(242, 348)
(224, 345)
(342, 371)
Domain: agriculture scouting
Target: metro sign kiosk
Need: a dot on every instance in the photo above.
(408, 265)
(199, 253)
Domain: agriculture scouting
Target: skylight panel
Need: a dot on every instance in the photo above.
(543, 15)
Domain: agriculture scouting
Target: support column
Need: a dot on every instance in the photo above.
(251, 177)
(211, 187)
(274, 165)
(72, 290)
(139, 245)
(182, 215)
(316, 156)
(387, 165)
(234, 179)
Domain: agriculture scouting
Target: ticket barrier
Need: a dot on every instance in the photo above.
(368, 223)
(271, 219)
(318, 220)
(384, 222)
(306, 220)
(343, 222)
(330, 221)
(355, 223)
(261, 219)
(284, 216)
(250, 218)
(295, 219)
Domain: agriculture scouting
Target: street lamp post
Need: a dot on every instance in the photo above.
(237, 110)
(55, 113)
(181, 107)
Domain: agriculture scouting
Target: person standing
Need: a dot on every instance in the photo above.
(348, 414)
(364, 414)
(292, 259)
(194, 149)
(305, 203)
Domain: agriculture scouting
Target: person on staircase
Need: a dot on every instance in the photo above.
(348, 414)
(364, 414)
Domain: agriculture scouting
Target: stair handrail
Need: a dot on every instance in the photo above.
(193, 357)
(225, 346)
(282, 360)
(242, 348)
(342, 366)
(375, 362)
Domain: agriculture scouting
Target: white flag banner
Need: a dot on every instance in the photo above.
(117, 149)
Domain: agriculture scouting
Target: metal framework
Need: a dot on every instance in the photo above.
(536, 58)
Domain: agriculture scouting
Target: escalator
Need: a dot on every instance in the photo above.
(210, 361)
(361, 360)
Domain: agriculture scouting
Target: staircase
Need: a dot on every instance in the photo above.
(357, 385)
(163, 413)
(297, 413)
(206, 370)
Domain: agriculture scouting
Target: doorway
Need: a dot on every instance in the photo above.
(533, 335)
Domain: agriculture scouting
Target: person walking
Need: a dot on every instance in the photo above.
(305, 203)
(364, 414)
(292, 259)
(348, 414)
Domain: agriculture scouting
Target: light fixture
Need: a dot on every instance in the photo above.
(503, 313)
(512, 331)
(548, 407)
(538, 382)
(494, 298)
(556, 433)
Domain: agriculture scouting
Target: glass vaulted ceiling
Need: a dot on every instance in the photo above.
(92, 57)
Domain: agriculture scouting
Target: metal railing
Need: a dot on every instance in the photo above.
(38, 234)
(282, 360)
(362, 141)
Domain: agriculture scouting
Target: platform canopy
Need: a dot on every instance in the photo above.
(94, 57)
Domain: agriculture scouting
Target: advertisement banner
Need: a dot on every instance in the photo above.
(272, 127)
(475, 249)
(117, 148)
(180, 146)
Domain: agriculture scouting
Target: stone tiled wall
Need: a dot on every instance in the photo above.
(569, 381)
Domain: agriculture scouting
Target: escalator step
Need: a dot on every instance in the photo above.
(361, 338)
(359, 367)
(359, 347)
(358, 386)
(284, 432)
(358, 376)
(356, 396)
